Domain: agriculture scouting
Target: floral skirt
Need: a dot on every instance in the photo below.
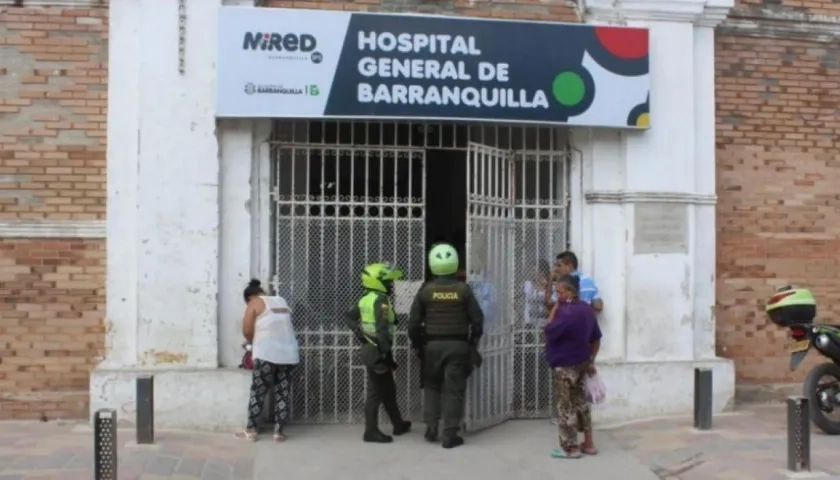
(574, 411)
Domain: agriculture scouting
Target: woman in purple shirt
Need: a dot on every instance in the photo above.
(572, 339)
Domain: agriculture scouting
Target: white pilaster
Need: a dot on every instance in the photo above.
(243, 189)
(123, 157)
(598, 232)
(163, 175)
(660, 302)
(704, 178)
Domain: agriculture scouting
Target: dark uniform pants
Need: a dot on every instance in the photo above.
(447, 367)
(381, 390)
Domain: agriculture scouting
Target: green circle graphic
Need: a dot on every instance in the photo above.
(568, 89)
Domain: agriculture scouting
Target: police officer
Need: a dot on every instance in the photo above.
(445, 324)
(373, 321)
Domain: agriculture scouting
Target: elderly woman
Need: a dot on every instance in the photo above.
(572, 339)
(267, 328)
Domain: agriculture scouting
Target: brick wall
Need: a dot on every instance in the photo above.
(52, 167)
(559, 11)
(778, 181)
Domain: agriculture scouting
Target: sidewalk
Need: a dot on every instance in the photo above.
(749, 444)
(746, 445)
(514, 451)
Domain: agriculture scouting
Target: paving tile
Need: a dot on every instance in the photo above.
(749, 445)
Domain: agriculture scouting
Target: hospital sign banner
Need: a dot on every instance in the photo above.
(295, 63)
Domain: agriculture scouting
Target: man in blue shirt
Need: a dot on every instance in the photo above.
(567, 264)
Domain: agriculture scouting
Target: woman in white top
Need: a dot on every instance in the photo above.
(268, 331)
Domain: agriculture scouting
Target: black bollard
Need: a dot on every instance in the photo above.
(146, 410)
(702, 399)
(105, 444)
(798, 434)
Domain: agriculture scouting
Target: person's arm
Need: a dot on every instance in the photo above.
(597, 303)
(383, 330)
(249, 320)
(552, 312)
(351, 319)
(595, 345)
(416, 317)
(549, 297)
(476, 316)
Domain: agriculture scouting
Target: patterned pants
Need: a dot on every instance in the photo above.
(574, 412)
(264, 374)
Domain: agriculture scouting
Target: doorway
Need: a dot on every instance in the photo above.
(346, 193)
(446, 201)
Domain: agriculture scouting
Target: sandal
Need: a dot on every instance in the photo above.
(246, 435)
(560, 453)
(279, 437)
(588, 451)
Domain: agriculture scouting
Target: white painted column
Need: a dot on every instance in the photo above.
(704, 184)
(163, 172)
(599, 236)
(244, 189)
(665, 288)
(123, 157)
(660, 307)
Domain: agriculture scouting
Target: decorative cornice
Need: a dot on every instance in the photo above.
(762, 22)
(706, 13)
(54, 3)
(715, 13)
(619, 197)
(52, 229)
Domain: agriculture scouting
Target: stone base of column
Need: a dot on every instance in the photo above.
(216, 399)
(639, 390)
(193, 399)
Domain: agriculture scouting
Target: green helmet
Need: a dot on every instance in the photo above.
(380, 276)
(443, 259)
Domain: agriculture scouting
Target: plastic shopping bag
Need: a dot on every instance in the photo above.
(596, 391)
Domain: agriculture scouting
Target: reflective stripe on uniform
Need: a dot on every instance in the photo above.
(368, 316)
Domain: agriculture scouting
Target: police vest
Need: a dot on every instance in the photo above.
(368, 316)
(446, 310)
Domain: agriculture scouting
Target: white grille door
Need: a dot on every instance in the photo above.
(337, 209)
(490, 254)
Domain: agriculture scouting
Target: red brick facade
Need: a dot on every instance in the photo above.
(778, 178)
(52, 167)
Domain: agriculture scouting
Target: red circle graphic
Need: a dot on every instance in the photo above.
(624, 43)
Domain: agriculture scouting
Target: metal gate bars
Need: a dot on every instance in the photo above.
(336, 209)
(347, 193)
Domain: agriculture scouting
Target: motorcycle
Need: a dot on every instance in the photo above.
(795, 309)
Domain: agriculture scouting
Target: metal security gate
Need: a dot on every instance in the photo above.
(541, 205)
(339, 208)
(348, 193)
(490, 256)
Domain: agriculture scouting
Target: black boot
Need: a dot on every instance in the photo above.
(377, 437)
(431, 434)
(402, 428)
(452, 442)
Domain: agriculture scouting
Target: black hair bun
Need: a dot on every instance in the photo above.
(254, 283)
